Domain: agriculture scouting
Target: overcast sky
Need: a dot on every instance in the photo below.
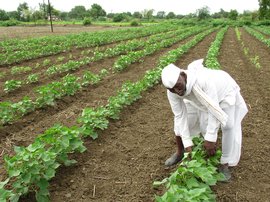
(176, 6)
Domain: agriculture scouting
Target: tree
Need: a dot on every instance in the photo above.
(78, 12)
(43, 9)
(13, 15)
(264, 10)
(203, 13)
(110, 15)
(220, 14)
(118, 17)
(64, 15)
(97, 11)
(147, 13)
(37, 15)
(161, 14)
(170, 15)
(223, 13)
(22, 10)
(233, 14)
(3, 15)
(137, 15)
(180, 16)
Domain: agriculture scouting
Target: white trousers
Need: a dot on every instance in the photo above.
(231, 143)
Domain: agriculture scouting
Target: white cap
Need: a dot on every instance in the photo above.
(170, 75)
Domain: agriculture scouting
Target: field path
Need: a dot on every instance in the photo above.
(251, 177)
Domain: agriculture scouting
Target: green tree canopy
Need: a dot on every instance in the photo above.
(264, 10)
(97, 11)
(137, 15)
(233, 14)
(161, 14)
(13, 15)
(171, 15)
(22, 10)
(203, 13)
(3, 15)
(78, 12)
(147, 13)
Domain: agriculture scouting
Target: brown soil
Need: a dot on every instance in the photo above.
(28, 89)
(123, 162)
(251, 177)
(68, 109)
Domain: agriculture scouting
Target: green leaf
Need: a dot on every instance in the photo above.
(26, 177)
(40, 197)
(13, 173)
(196, 192)
(2, 184)
(50, 173)
(43, 184)
(15, 198)
(192, 182)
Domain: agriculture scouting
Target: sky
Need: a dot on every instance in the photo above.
(116, 6)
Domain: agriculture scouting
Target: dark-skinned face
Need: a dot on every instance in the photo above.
(180, 86)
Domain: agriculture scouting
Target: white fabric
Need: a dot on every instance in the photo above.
(213, 107)
(170, 75)
(211, 82)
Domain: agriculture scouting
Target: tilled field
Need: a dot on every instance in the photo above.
(123, 163)
(36, 31)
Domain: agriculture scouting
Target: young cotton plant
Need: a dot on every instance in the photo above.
(92, 120)
(193, 178)
(12, 85)
(32, 78)
(32, 167)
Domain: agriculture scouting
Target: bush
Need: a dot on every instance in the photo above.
(87, 21)
(219, 22)
(134, 23)
(118, 17)
(103, 19)
(8, 23)
(264, 23)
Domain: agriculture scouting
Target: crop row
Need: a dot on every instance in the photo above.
(16, 70)
(34, 48)
(211, 60)
(32, 167)
(263, 29)
(71, 65)
(258, 35)
(253, 59)
(47, 94)
(136, 56)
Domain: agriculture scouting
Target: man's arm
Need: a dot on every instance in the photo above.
(180, 118)
(213, 124)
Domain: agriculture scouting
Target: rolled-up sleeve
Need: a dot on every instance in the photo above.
(180, 118)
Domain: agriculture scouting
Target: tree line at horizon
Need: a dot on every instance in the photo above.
(96, 12)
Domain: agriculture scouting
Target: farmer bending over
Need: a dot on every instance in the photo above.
(202, 99)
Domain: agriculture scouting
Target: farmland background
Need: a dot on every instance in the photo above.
(93, 94)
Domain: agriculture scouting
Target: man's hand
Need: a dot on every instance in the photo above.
(210, 148)
(188, 149)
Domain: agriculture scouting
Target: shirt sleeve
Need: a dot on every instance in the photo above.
(213, 124)
(180, 118)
